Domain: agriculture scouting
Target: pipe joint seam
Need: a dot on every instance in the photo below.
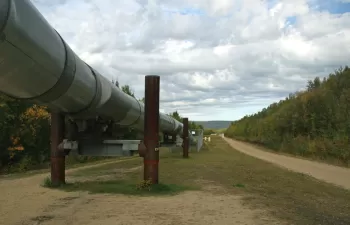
(97, 97)
(65, 80)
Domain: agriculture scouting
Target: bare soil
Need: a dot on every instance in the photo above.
(24, 201)
(339, 176)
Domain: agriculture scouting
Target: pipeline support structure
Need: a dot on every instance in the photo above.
(57, 154)
(37, 65)
(185, 138)
(151, 136)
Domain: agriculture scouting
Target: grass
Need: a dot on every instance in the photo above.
(126, 187)
(330, 161)
(47, 182)
(108, 169)
(129, 185)
(294, 197)
(68, 166)
(221, 130)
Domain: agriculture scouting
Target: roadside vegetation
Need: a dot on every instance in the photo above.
(314, 123)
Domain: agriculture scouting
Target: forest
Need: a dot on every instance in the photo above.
(25, 135)
(312, 123)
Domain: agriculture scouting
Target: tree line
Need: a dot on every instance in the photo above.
(25, 134)
(311, 123)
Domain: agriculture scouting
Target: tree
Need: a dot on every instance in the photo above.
(24, 133)
(128, 132)
(176, 116)
(191, 125)
(127, 90)
(312, 123)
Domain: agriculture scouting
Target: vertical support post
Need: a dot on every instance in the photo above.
(165, 138)
(200, 140)
(173, 138)
(151, 128)
(57, 154)
(185, 145)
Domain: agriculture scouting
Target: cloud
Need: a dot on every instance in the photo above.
(218, 60)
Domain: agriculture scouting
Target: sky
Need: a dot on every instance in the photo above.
(217, 59)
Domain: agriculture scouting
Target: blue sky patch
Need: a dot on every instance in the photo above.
(331, 6)
(291, 20)
(185, 11)
(191, 11)
(271, 3)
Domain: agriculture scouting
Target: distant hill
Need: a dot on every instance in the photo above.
(214, 124)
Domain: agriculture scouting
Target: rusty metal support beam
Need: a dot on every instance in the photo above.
(151, 128)
(185, 138)
(57, 154)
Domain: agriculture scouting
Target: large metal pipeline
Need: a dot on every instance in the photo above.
(36, 64)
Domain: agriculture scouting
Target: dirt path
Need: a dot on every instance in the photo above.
(332, 174)
(24, 202)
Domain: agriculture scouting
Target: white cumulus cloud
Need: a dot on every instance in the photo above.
(218, 60)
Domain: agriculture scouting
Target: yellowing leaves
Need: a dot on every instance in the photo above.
(36, 112)
(16, 146)
(30, 119)
(15, 140)
(29, 127)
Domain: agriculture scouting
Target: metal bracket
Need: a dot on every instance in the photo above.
(106, 147)
(68, 145)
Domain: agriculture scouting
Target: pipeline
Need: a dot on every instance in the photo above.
(36, 64)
